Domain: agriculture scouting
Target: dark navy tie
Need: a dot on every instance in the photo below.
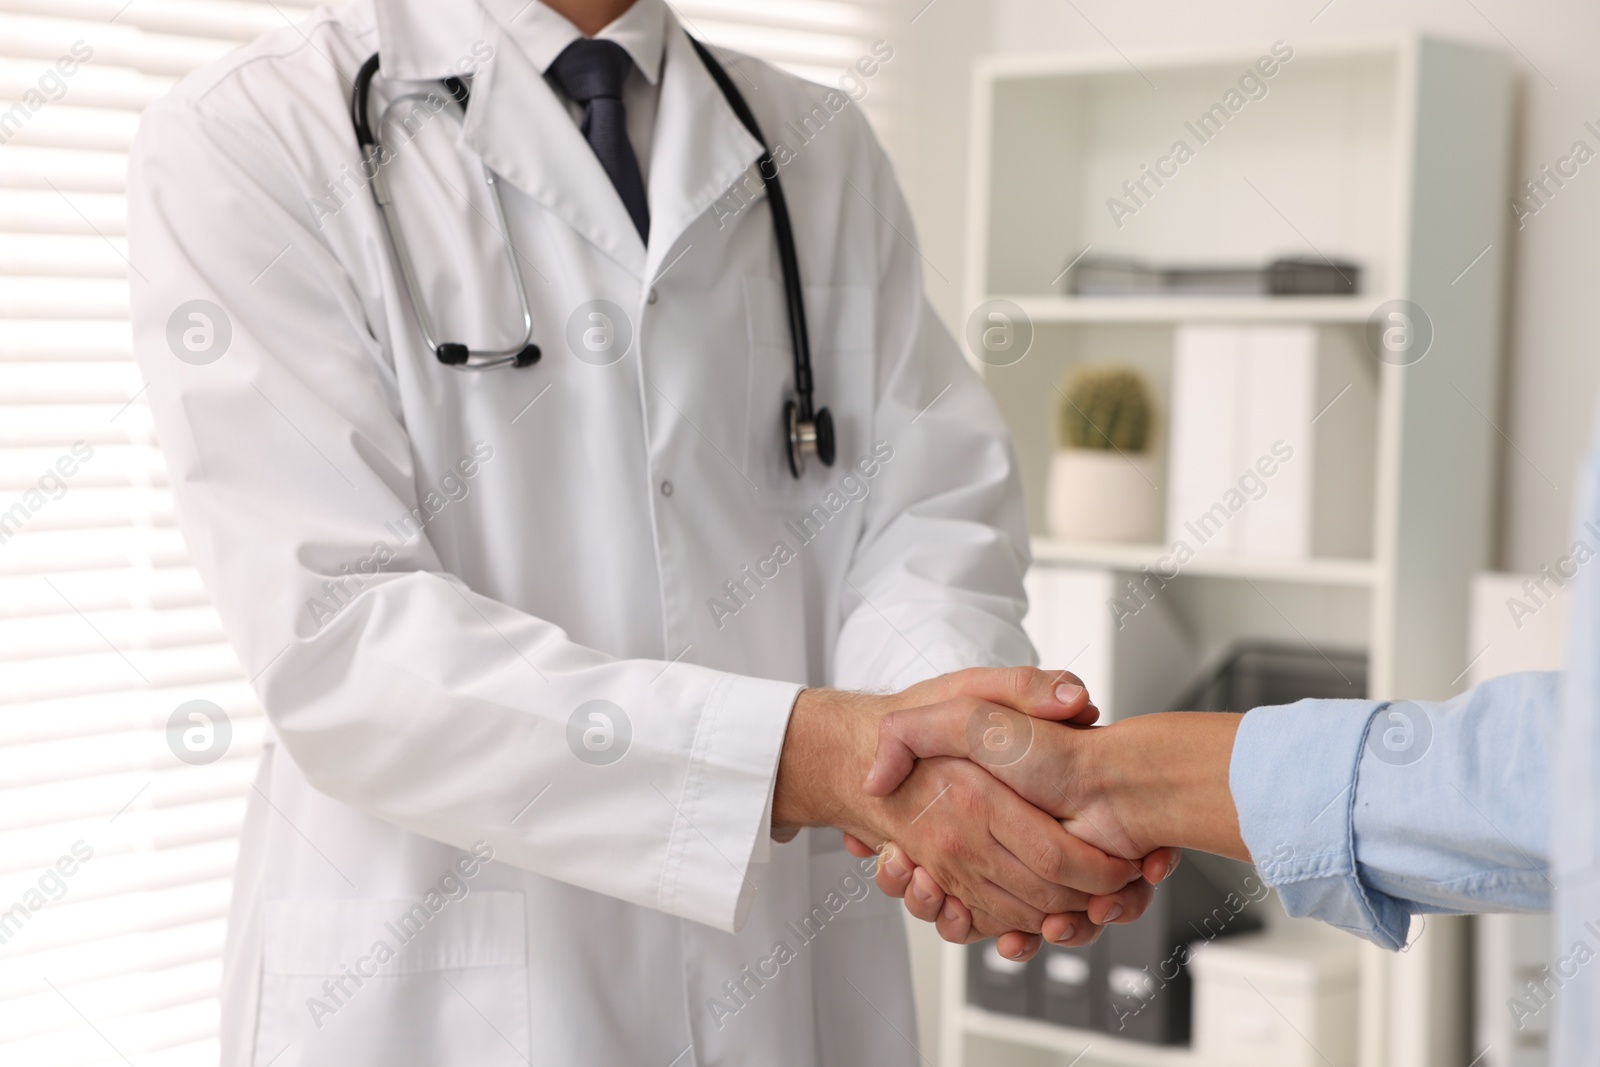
(591, 73)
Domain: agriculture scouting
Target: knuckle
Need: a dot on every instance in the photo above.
(959, 851)
(948, 841)
(1052, 898)
(1104, 875)
(984, 924)
(1108, 883)
(1136, 901)
(1049, 861)
(1056, 899)
(969, 803)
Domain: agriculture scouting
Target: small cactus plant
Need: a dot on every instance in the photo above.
(1105, 408)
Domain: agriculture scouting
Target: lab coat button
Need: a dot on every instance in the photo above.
(652, 298)
(666, 488)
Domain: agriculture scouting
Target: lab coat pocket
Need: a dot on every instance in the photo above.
(351, 983)
(842, 326)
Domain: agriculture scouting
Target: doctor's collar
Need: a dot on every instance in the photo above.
(543, 34)
(425, 40)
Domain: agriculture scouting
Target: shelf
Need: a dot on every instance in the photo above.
(1031, 65)
(1390, 154)
(1049, 308)
(1124, 557)
(1090, 1046)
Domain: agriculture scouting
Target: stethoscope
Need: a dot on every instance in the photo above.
(806, 429)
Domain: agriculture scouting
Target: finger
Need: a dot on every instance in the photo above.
(1006, 910)
(924, 898)
(990, 863)
(993, 733)
(1071, 930)
(1042, 694)
(1055, 856)
(1123, 906)
(857, 847)
(1006, 871)
(985, 926)
(955, 922)
(906, 736)
(1068, 691)
(894, 870)
(1159, 865)
(1087, 717)
(1016, 945)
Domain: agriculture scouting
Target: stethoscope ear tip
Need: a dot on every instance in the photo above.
(454, 354)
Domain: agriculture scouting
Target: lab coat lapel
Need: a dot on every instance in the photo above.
(700, 148)
(520, 128)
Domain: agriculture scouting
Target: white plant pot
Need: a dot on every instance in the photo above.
(1103, 495)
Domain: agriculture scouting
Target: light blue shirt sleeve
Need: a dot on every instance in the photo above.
(1362, 813)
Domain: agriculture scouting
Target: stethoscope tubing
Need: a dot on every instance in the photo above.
(522, 353)
(808, 430)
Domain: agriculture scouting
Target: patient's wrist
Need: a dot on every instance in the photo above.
(1166, 778)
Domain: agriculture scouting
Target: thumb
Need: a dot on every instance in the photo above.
(1160, 864)
(907, 736)
(1057, 695)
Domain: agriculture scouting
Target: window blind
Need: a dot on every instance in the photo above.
(115, 854)
(820, 40)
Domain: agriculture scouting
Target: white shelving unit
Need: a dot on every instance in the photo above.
(1390, 153)
(1078, 1045)
(1355, 573)
(1053, 309)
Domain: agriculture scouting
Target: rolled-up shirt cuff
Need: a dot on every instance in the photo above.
(1294, 776)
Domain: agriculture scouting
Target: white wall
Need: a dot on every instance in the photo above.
(1553, 343)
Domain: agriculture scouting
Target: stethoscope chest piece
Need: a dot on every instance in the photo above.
(807, 436)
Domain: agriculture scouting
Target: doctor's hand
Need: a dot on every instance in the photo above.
(900, 876)
(1124, 787)
(1012, 863)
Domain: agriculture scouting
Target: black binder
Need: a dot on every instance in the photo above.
(999, 984)
(1069, 985)
(1146, 992)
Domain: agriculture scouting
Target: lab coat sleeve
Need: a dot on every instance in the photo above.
(1363, 813)
(407, 694)
(936, 581)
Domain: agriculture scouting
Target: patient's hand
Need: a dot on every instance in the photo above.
(1013, 863)
(1155, 778)
(925, 899)
(1052, 765)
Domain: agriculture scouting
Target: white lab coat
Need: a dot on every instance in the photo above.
(584, 518)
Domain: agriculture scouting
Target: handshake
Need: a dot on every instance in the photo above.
(996, 812)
